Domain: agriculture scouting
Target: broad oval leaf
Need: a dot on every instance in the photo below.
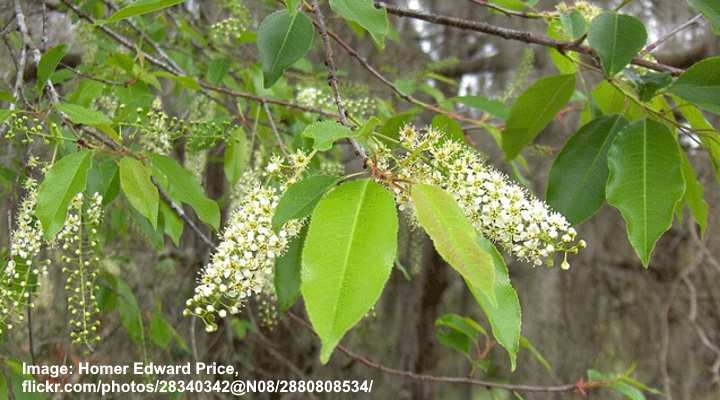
(347, 258)
(141, 7)
(282, 39)
(325, 133)
(48, 63)
(183, 186)
(454, 236)
(700, 85)
(139, 189)
(85, 116)
(617, 39)
(504, 315)
(576, 187)
(645, 182)
(533, 110)
(300, 199)
(363, 12)
(66, 178)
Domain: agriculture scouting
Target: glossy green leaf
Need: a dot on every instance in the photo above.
(454, 237)
(325, 133)
(496, 108)
(459, 333)
(292, 6)
(533, 110)
(700, 85)
(611, 100)
(139, 189)
(363, 12)
(617, 39)
(236, 156)
(348, 255)
(300, 199)
(282, 39)
(710, 9)
(48, 64)
(66, 178)
(645, 182)
(503, 312)
(287, 272)
(573, 24)
(160, 331)
(183, 186)
(141, 7)
(81, 115)
(576, 187)
(650, 83)
(104, 179)
(694, 194)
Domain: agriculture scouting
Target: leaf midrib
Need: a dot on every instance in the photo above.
(284, 42)
(348, 250)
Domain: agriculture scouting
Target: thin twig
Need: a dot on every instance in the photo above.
(654, 45)
(506, 11)
(181, 213)
(332, 77)
(274, 129)
(514, 34)
(449, 379)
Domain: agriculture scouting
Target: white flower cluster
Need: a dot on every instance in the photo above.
(79, 241)
(231, 28)
(360, 106)
(244, 261)
(20, 275)
(500, 209)
(157, 130)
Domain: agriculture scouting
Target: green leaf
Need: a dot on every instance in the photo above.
(300, 199)
(66, 178)
(17, 378)
(364, 13)
(535, 353)
(81, 115)
(347, 258)
(217, 70)
(48, 63)
(458, 333)
(454, 236)
(611, 100)
(141, 7)
(533, 110)
(573, 24)
(282, 39)
(503, 312)
(183, 186)
(172, 224)
(325, 133)
(139, 189)
(645, 182)
(700, 85)
(710, 9)
(617, 39)
(616, 384)
(708, 135)
(287, 272)
(236, 155)
(129, 310)
(103, 178)
(496, 108)
(694, 194)
(576, 187)
(650, 83)
(292, 6)
(160, 331)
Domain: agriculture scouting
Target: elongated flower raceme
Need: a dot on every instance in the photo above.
(19, 277)
(500, 209)
(244, 261)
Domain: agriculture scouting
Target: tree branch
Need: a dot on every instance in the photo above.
(332, 77)
(654, 45)
(451, 379)
(514, 34)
